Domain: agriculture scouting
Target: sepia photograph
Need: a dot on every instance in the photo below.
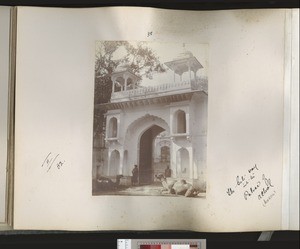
(150, 119)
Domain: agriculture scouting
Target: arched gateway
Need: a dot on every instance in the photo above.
(139, 140)
(142, 123)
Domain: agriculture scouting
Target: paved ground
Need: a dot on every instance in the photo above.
(154, 189)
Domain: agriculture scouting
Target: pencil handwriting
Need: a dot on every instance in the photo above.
(253, 184)
(52, 160)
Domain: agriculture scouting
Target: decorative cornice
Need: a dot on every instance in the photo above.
(147, 101)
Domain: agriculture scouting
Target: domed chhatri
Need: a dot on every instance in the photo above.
(123, 78)
(184, 62)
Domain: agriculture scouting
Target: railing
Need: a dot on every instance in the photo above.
(160, 90)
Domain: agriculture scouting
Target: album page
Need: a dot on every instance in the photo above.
(149, 119)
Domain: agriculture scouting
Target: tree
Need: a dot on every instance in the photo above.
(109, 55)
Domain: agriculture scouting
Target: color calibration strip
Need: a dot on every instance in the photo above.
(168, 246)
(159, 244)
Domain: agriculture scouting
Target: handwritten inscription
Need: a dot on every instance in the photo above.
(53, 160)
(253, 184)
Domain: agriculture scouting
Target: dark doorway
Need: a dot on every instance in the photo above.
(146, 154)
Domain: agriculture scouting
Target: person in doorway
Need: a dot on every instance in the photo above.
(135, 175)
(168, 171)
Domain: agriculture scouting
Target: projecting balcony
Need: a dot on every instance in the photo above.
(160, 90)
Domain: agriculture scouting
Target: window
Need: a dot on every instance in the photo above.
(113, 128)
(179, 122)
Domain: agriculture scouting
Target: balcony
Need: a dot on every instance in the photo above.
(160, 90)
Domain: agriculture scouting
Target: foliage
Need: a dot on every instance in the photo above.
(109, 55)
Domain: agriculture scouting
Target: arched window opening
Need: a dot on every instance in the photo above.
(113, 128)
(183, 162)
(179, 124)
(114, 163)
(129, 84)
(119, 84)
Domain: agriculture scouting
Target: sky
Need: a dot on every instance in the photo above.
(167, 52)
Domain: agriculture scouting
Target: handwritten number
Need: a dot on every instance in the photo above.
(50, 160)
(60, 164)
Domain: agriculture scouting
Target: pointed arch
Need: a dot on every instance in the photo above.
(143, 123)
(125, 159)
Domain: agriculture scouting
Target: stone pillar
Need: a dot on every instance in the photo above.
(109, 161)
(113, 86)
(133, 83)
(171, 123)
(125, 83)
(190, 75)
(107, 127)
(120, 169)
(118, 127)
(192, 169)
(173, 159)
(187, 122)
